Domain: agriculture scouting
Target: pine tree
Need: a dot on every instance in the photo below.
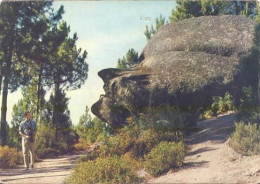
(188, 9)
(67, 69)
(129, 60)
(20, 24)
(159, 22)
(85, 123)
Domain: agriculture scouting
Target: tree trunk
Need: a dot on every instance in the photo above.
(237, 9)
(258, 87)
(1, 76)
(8, 58)
(4, 110)
(55, 108)
(1, 79)
(39, 90)
(4, 101)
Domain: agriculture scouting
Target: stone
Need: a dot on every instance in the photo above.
(184, 64)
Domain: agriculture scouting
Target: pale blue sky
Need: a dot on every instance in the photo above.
(106, 29)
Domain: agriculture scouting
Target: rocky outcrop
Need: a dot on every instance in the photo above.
(184, 64)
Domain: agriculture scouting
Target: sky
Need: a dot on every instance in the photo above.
(107, 30)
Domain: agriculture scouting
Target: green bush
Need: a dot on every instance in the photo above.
(221, 105)
(208, 114)
(248, 110)
(137, 142)
(127, 149)
(164, 156)
(246, 139)
(92, 130)
(44, 140)
(164, 118)
(81, 145)
(104, 170)
(10, 157)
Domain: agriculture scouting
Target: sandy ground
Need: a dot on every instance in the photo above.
(49, 171)
(211, 160)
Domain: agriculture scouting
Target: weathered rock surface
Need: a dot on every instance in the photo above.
(184, 64)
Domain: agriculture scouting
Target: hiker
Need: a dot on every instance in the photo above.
(27, 130)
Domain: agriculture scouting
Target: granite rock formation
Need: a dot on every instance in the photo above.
(184, 64)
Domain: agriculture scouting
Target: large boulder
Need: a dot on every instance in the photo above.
(184, 64)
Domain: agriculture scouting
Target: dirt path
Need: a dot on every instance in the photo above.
(211, 160)
(49, 171)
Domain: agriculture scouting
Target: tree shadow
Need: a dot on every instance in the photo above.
(8, 180)
(201, 150)
(217, 130)
(17, 172)
(188, 165)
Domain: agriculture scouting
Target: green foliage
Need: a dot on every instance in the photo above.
(246, 139)
(221, 105)
(130, 59)
(67, 67)
(143, 133)
(257, 17)
(85, 122)
(212, 7)
(90, 156)
(21, 24)
(45, 138)
(159, 23)
(129, 146)
(165, 156)
(248, 107)
(9, 157)
(188, 9)
(247, 11)
(81, 145)
(98, 130)
(92, 130)
(208, 114)
(164, 118)
(247, 110)
(60, 114)
(13, 138)
(65, 135)
(104, 170)
(149, 32)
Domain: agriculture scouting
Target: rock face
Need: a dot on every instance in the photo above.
(184, 64)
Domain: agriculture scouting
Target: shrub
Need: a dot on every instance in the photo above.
(10, 157)
(119, 144)
(92, 130)
(92, 155)
(121, 155)
(208, 114)
(164, 118)
(104, 170)
(82, 145)
(221, 105)
(248, 109)
(164, 156)
(246, 139)
(130, 159)
(44, 140)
